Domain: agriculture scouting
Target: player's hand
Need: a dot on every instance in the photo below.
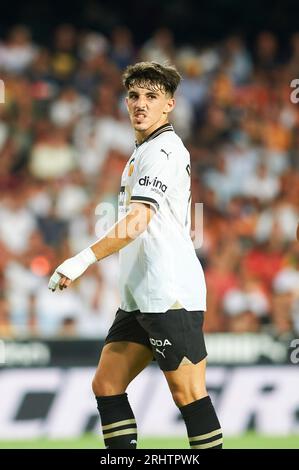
(71, 269)
(59, 277)
(58, 280)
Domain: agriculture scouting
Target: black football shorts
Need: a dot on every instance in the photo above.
(174, 337)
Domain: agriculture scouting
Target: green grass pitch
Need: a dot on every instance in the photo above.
(91, 441)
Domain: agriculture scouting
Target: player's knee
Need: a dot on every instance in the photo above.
(183, 396)
(102, 387)
(94, 386)
(179, 398)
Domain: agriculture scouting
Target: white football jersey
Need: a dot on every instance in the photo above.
(159, 270)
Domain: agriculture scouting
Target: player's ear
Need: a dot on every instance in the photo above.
(170, 105)
(127, 101)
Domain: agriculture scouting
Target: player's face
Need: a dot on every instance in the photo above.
(148, 109)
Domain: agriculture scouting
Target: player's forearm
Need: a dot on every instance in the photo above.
(112, 242)
(123, 232)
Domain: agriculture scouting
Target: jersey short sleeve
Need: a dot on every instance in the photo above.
(155, 176)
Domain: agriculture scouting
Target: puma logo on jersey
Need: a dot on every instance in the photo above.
(161, 352)
(145, 181)
(167, 154)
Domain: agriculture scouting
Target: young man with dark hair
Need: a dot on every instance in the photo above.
(162, 285)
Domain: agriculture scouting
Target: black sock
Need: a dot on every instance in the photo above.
(202, 424)
(118, 422)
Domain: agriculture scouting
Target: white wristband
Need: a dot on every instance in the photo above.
(72, 267)
(87, 256)
(75, 266)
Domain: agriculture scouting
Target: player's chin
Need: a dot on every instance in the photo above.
(140, 127)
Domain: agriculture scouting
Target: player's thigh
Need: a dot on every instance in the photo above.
(119, 364)
(176, 337)
(187, 383)
(179, 348)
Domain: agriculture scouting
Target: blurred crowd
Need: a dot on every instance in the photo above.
(65, 138)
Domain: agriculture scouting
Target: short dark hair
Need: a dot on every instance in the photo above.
(152, 75)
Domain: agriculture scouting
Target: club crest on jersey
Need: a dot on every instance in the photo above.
(155, 183)
(131, 167)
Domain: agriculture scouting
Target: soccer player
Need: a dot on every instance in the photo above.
(163, 292)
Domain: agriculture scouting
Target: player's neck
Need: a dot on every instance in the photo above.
(141, 136)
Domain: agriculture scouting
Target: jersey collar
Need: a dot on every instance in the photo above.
(165, 128)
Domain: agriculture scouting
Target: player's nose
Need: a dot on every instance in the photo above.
(141, 103)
